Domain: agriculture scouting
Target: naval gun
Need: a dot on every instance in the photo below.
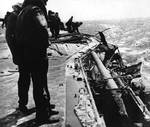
(117, 77)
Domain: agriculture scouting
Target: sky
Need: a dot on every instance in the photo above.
(91, 9)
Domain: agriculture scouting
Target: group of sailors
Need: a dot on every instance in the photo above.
(54, 23)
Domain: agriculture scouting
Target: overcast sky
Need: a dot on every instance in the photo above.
(92, 9)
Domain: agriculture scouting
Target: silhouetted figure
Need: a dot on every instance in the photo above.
(51, 22)
(54, 23)
(5, 19)
(32, 39)
(10, 22)
(57, 25)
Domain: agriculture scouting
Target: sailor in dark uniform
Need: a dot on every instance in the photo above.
(32, 38)
(4, 21)
(54, 23)
(10, 22)
(57, 24)
(51, 17)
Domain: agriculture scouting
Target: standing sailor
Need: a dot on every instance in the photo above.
(32, 38)
(10, 23)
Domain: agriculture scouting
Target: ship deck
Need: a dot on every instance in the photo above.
(61, 85)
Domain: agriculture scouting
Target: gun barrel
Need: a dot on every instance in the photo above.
(110, 84)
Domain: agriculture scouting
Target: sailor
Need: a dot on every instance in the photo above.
(54, 23)
(10, 22)
(51, 22)
(4, 21)
(32, 38)
(57, 24)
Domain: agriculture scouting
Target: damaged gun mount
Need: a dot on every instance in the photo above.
(111, 80)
